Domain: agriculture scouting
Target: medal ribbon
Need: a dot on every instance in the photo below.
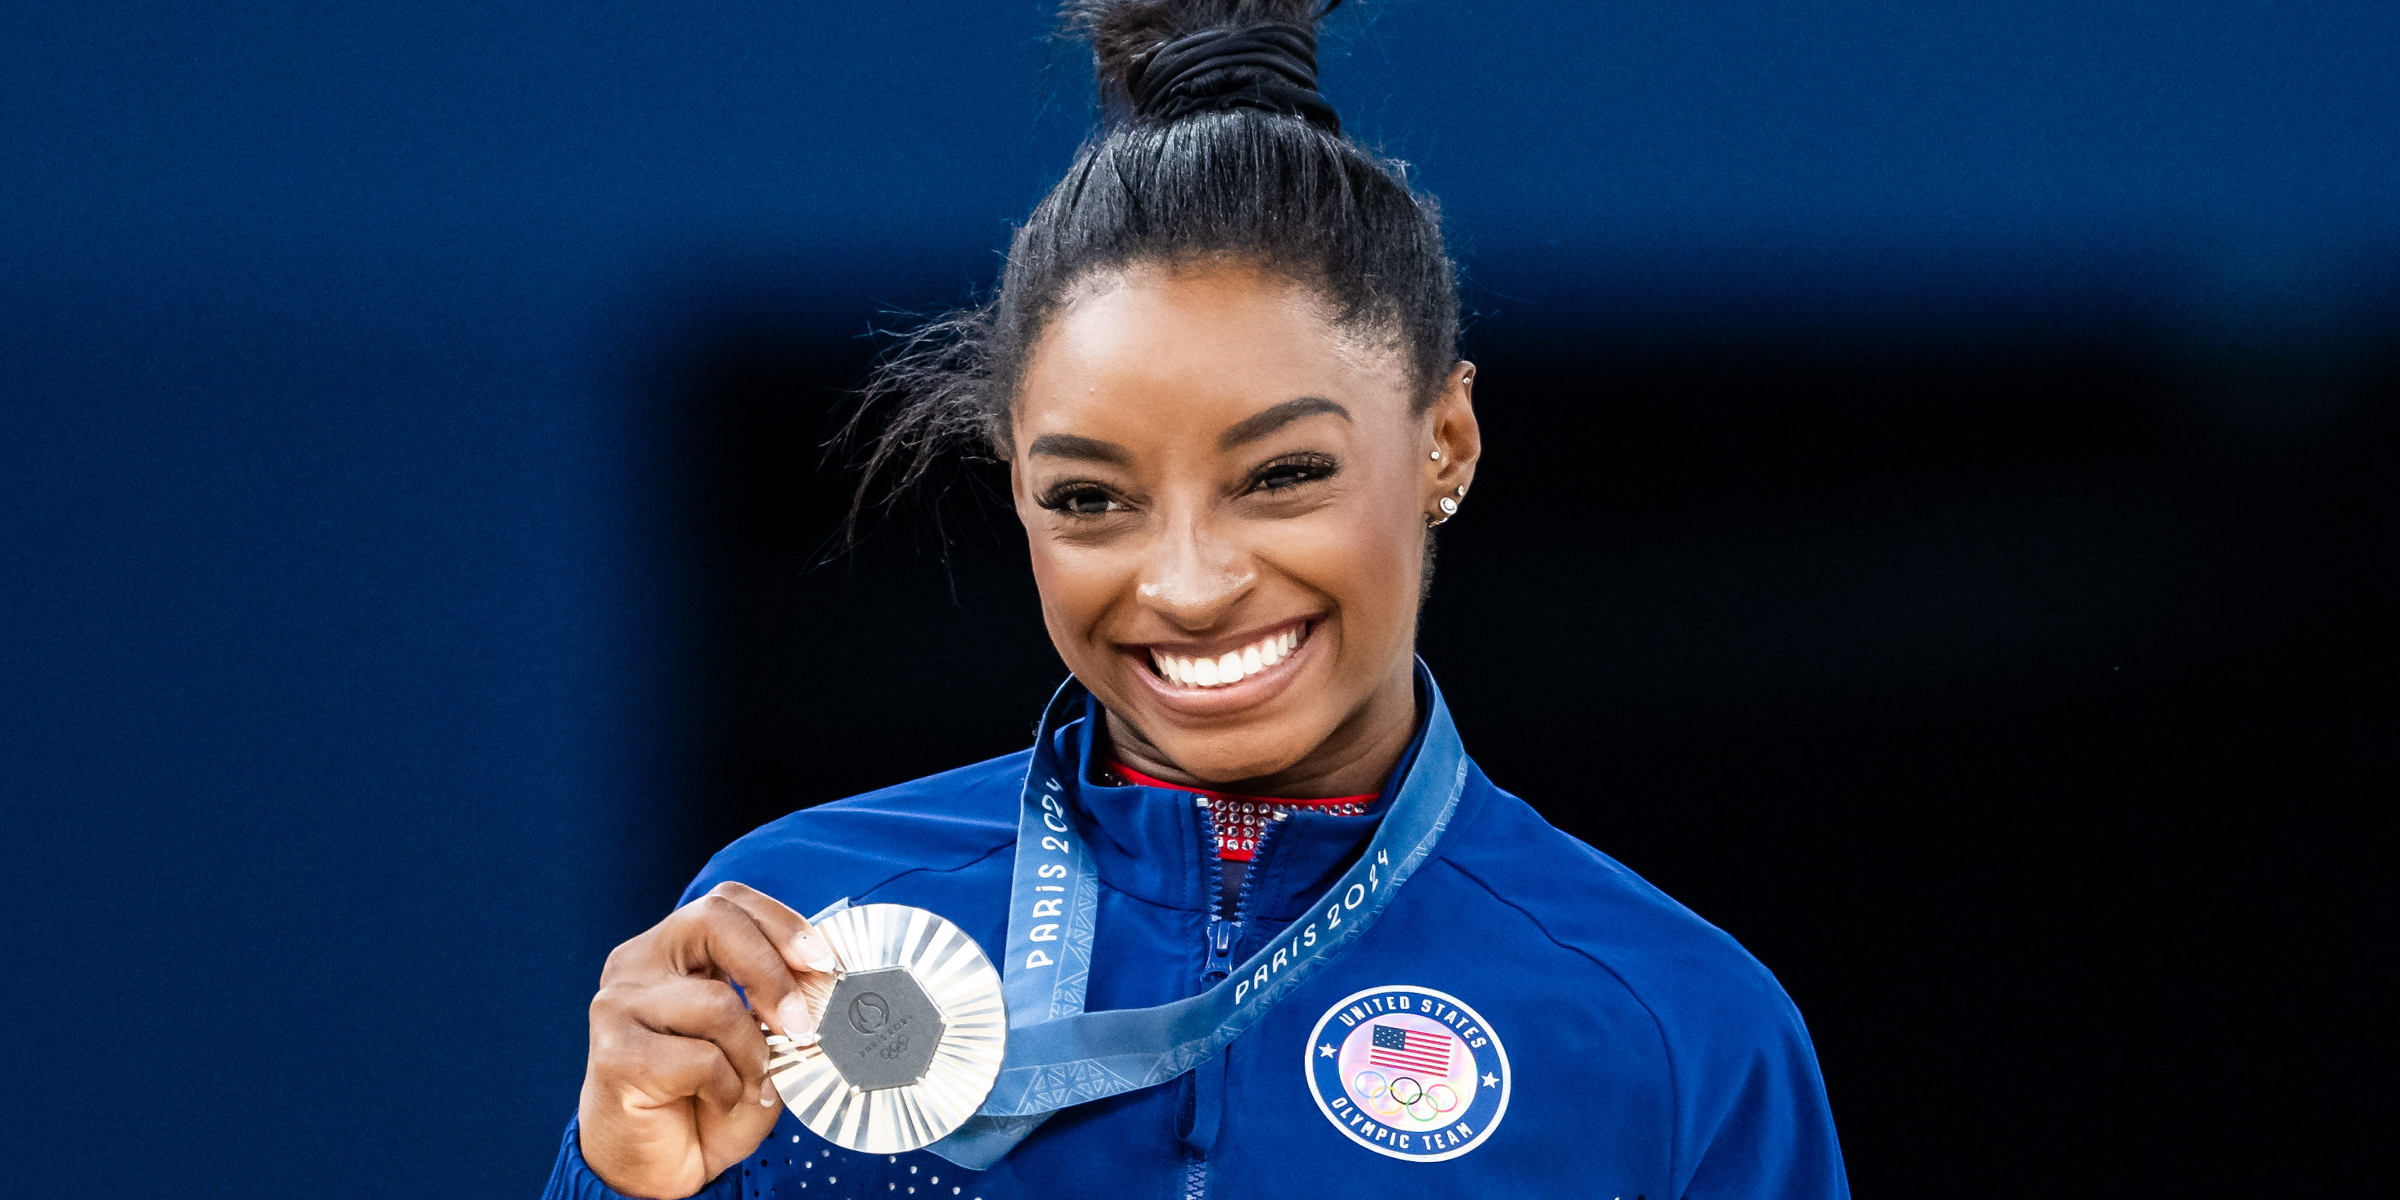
(1059, 1055)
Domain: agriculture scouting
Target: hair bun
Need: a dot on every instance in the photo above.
(1162, 60)
(1270, 66)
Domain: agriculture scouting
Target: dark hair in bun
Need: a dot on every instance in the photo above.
(1216, 144)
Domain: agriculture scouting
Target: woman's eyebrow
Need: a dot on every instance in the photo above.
(1067, 445)
(1258, 425)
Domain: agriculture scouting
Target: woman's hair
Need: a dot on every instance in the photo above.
(1215, 146)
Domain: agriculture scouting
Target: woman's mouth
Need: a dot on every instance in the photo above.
(1199, 672)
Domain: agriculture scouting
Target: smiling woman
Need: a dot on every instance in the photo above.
(1227, 514)
(1246, 872)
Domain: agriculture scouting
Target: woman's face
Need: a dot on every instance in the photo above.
(1226, 500)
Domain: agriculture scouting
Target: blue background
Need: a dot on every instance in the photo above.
(398, 600)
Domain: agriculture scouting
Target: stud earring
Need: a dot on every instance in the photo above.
(1462, 491)
(1437, 456)
(1449, 507)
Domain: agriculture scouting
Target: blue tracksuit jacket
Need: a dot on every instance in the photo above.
(1527, 1018)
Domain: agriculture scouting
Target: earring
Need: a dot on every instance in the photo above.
(1462, 491)
(1437, 456)
(1449, 507)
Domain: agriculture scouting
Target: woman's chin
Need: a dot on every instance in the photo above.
(1254, 741)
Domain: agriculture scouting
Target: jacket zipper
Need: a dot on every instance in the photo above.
(1241, 900)
(1224, 934)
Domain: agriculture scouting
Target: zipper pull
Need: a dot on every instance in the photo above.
(1220, 946)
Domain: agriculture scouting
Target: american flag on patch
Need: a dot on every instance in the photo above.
(1409, 1050)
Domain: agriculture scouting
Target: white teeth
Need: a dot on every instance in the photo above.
(1230, 667)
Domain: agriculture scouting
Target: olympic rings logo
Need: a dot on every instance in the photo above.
(1408, 1072)
(1404, 1094)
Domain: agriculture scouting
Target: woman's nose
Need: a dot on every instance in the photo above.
(1192, 578)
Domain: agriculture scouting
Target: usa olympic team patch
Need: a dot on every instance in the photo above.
(1409, 1072)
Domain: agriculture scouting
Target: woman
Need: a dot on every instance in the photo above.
(1222, 370)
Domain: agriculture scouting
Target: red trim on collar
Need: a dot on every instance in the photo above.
(1241, 819)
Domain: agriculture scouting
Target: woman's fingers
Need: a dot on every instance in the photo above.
(804, 950)
(676, 1086)
(669, 1066)
(628, 1021)
(717, 935)
(801, 945)
(670, 1060)
(802, 1012)
(663, 1112)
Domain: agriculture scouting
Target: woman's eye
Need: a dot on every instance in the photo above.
(1289, 473)
(1081, 501)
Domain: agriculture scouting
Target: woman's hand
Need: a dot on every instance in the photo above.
(676, 1087)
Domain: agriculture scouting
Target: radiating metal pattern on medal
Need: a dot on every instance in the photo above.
(912, 1036)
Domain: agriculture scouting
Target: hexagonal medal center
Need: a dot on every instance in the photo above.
(880, 1029)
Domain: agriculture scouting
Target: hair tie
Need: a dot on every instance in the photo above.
(1271, 67)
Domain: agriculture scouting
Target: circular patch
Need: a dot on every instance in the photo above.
(1409, 1072)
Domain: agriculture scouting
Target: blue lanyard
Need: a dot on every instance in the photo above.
(1058, 1054)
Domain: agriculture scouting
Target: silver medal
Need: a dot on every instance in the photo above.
(911, 1039)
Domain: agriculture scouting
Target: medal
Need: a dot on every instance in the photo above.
(912, 1036)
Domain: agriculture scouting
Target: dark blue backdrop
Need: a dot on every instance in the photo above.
(354, 669)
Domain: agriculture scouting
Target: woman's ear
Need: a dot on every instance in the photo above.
(1456, 440)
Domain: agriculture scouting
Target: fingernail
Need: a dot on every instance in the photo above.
(766, 1094)
(815, 952)
(797, 1024)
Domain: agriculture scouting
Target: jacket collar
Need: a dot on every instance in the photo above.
(1150, 842)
